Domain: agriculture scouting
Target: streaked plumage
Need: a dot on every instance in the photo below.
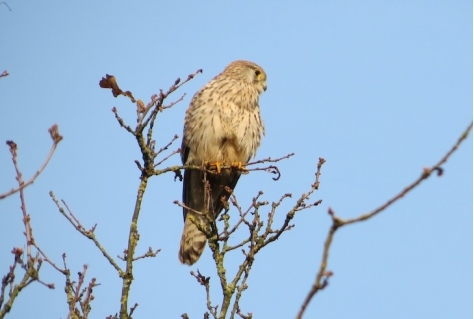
(222, 125)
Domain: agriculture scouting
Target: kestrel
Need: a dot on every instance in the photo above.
(223, 126)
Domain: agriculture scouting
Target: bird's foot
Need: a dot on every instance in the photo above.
(238, 166)
(217, 166)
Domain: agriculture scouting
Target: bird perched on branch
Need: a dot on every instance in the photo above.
(223, 127)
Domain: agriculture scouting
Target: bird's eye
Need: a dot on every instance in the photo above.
(257, 73)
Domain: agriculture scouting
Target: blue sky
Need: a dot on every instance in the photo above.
(379, 89)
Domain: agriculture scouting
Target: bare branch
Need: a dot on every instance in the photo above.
(49, 261)
(212, 168)
(204, 281)
(146, 116)
(132, 310)
(87, 233)
(424, 175)
(167, 157)
(56, 137)
(76, 295)
(121, 121)
(149, 253)
(33, 261)
(157, 101)
(259, 236)
(270, 160)
(300, 204)
(164, 148)
(323, 274)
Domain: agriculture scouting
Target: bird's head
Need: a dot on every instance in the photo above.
(248, 72)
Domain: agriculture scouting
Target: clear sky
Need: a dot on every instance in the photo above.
(380, 89)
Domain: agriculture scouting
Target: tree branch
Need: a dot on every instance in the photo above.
(56, 137)
(323, 274)
(87, 233)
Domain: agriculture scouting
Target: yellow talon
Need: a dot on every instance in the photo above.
(234, 165)
(239, 166)
(216, 164)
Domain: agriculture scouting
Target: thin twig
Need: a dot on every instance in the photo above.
(149, 253)
(46, 258)
(132, 310)
(56, 139)
(33, 262)
(164, 148)
(270, 160)
(204, 281)
(300, 204)
(87, 233)
(167, 157)
(121, 121)
(233, 289)
(157, 104)
(323, 274)
(424, 175)
(224, 235)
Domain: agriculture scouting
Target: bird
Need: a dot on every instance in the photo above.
(222, 126)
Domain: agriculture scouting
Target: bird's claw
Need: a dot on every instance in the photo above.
(234, 165)
(238, 166)
(216, 164)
